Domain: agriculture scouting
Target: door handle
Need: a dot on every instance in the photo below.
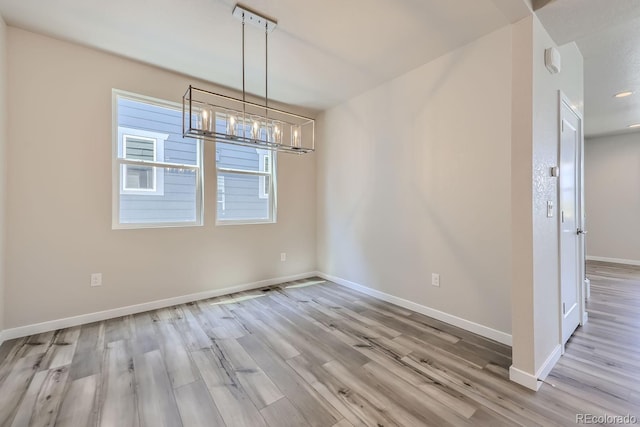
(580, 231)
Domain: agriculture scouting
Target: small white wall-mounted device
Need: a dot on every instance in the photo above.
(552, 60)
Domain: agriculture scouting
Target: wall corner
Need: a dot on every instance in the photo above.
(3, 167)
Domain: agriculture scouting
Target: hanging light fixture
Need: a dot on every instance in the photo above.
(215, 117)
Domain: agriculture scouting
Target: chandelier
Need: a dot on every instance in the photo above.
(215, 117)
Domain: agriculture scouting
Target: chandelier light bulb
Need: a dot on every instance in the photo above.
(231, 124)
(255, 130)
(276, 133)
(206, 120)
(295, 136)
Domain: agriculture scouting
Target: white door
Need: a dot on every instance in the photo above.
(570, 264)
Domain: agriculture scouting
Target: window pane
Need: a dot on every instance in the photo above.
(239, 198)
(267, 182)
(139, 177)
(155, 195)
(154, 118)
(176, 204)
(247, 196)
(237, 157)
(140, 149)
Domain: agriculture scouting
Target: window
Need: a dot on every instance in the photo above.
(141, 178)
(157, 179)
(246, 184)
(148, 147)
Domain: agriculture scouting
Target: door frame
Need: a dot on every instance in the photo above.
(580, 220)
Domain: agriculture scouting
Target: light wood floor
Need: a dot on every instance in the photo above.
(312, 353)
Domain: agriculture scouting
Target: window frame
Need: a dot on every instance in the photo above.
(272, 219)
(263, 157)
(158, 156)
(124, 179)
(159, 164)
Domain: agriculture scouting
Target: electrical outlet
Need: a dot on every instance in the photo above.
(435, 279)
(96, 279)
(283, 256)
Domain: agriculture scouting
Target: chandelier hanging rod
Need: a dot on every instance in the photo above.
(261, 21)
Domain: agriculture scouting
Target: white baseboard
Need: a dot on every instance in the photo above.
(613, 260)
(523, 378)
(585, 318)
(465, 324)
(534, 382)
(548, 364)
(52, 325)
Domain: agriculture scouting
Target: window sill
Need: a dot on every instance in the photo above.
(225, 223)
(155, 225)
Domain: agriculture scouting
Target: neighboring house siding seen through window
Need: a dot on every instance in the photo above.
(157, 173)
(246, 183)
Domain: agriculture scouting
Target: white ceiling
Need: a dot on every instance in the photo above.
(608, 35)
(324, 52)
(321, 53)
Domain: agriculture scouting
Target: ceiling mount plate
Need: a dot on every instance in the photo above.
(254, 18)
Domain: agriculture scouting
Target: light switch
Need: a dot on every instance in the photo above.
(549, 209)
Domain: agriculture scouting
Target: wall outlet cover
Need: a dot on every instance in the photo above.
(435, 279)
(96, 279)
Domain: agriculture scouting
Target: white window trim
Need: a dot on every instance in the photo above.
(221, 197)
(262, 157)
(158, 156)
(117, 160)
(124, 178)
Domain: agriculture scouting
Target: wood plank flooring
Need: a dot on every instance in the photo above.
(312, 353)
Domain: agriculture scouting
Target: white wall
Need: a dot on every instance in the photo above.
(612, 174)
(3, 181)
(414, 178)
(536, 297)
(522, 195)
(545, 156)
(446, 169)
(59, 197)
